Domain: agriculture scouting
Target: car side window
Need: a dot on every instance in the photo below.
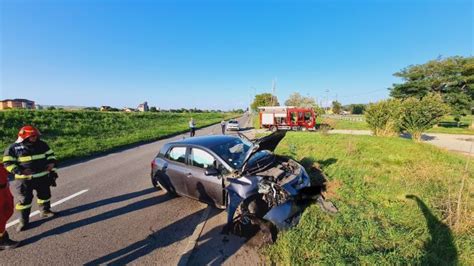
(201, 159)
(177, 154)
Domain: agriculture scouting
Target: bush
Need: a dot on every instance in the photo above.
(418, 115)
(382, 117)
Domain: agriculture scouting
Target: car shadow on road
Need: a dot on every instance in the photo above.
(440, 249)
(174, 232)
(94, 205)
(135, 206)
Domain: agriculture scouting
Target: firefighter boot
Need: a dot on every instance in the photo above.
(24, 220)
(6, 242)
(46, 210)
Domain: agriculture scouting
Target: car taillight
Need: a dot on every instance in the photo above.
(153, 164)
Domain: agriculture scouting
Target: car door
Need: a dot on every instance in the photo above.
(176, 169)
(206, 188)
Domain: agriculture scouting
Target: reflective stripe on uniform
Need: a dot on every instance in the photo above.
(31, 158)
(9, 159)
(40, 201)
(49, 152)
(22, 176)
(11, 167)
(40, 174)
(51, 158)
(22, 207)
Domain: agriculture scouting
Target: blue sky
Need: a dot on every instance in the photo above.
(216, 54)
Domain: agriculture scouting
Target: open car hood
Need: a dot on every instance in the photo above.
(269, 143)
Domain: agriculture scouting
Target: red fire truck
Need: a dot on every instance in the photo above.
(287, 118)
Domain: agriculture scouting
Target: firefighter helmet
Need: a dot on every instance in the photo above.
(26, 132)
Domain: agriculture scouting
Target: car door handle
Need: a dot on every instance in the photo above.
(189, 175)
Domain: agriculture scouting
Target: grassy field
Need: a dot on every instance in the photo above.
(447, 125)
(75, 134)
(397, 204)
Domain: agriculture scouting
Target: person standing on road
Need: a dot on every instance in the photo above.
(31, 162)
(223, 127)
(6, 210)
(192, 128)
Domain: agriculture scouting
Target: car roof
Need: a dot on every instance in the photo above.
(205, 141)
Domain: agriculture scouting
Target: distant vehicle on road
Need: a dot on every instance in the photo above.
(233, 125)
(287, 118)
(231, 172)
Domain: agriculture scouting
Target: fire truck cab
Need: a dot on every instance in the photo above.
(287, 118)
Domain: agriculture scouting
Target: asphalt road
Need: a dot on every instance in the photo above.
(111, 214)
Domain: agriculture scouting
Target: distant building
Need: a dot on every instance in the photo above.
(143, 107)
(128, 110)
(17, 103)
(104, 108)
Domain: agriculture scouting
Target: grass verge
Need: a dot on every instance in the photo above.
(446, 126)
(397, 200)
(74, 134)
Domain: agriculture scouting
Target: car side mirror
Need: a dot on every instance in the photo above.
(212, 171)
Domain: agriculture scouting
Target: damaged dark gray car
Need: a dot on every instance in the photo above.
(256, 186)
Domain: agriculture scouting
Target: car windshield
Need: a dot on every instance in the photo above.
(233, 152)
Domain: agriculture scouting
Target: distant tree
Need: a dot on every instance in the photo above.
(91, 109)
(51, 108)
(264, 99)
(153, 109)
(452, 78)
(336, 107)
(357, 109)
(295, 99)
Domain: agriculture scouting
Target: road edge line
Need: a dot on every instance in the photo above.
(193, 239)
(12, 223)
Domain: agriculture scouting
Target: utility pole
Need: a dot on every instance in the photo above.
(273, 91)
(327, 99)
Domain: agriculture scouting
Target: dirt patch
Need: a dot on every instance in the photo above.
(331, 189)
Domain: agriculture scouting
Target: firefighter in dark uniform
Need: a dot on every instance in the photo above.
(31, 162)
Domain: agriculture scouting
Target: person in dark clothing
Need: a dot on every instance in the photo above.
(31, 162)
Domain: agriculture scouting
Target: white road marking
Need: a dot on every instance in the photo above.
(12, 223)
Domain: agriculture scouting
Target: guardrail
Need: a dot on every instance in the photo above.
(356, 118)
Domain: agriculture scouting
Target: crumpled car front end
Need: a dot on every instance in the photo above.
(273, 195)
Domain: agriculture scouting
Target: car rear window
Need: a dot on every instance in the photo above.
(177, 154)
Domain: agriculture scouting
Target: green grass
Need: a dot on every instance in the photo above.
(448, 126)
(256, 121)
(73, 134)
(370, 179)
